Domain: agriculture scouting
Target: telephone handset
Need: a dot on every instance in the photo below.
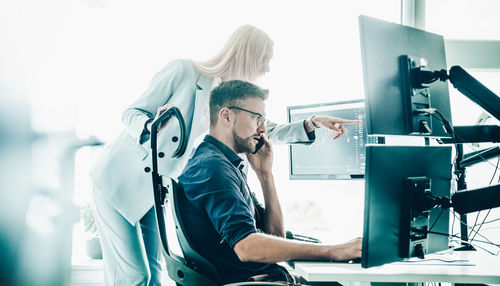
(259, 145)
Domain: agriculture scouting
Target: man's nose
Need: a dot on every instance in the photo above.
(262, 127)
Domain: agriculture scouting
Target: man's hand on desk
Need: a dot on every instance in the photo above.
(346, 251)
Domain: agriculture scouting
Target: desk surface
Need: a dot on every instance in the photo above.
(469, 267)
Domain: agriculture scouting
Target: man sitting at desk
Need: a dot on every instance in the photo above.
(223, 219)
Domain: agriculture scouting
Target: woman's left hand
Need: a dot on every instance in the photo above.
(159, 112)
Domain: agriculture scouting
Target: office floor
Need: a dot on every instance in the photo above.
(90, 273)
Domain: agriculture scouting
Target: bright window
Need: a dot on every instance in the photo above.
(463, 19)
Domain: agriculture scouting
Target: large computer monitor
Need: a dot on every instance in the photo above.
(389, 53)
(328, 159)
(401, 183)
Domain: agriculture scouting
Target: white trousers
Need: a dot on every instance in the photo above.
(131, 253)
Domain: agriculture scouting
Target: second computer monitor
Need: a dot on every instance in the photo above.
(399, 218)
(325, 158)
(389, 50)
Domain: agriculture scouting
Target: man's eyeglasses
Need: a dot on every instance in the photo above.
(260, 118)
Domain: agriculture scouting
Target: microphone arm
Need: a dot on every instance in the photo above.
(476, 91)
(467, 201)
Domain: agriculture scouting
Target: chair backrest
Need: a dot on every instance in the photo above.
(192, 269)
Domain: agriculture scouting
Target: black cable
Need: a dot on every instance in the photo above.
(493, 220)
(479, 212)
(487, 214)
(478, 246)
(496, 168)
(442, 210)
(485, 217)
(456, 236)
(475, 223)
(453, 135)
(449, 129)
(447, 125)
(489, 241)
(481, 156)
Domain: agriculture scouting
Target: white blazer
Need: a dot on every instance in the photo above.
(123, 171)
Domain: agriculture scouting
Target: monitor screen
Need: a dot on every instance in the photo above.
(396, 222)
(328, 159)
(389, 51)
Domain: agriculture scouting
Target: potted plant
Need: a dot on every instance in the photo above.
(92, 244)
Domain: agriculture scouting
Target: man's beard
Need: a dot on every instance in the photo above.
(243, 145)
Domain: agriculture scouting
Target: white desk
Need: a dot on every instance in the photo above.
(479, 268)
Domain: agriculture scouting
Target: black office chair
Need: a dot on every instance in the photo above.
(192, 268)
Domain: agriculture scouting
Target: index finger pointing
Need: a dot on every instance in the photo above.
(347, 121)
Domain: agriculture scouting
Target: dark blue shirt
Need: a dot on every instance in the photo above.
(220, 210)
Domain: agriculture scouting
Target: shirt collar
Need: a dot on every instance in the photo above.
(230, 155)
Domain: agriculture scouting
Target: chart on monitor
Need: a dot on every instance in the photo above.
(328, 159)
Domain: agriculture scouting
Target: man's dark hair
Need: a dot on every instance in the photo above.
(232, 93)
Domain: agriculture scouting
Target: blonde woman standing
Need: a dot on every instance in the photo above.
(123, 193)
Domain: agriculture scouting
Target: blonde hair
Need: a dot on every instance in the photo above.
(241, 56)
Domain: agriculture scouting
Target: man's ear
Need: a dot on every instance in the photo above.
(225, 116)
